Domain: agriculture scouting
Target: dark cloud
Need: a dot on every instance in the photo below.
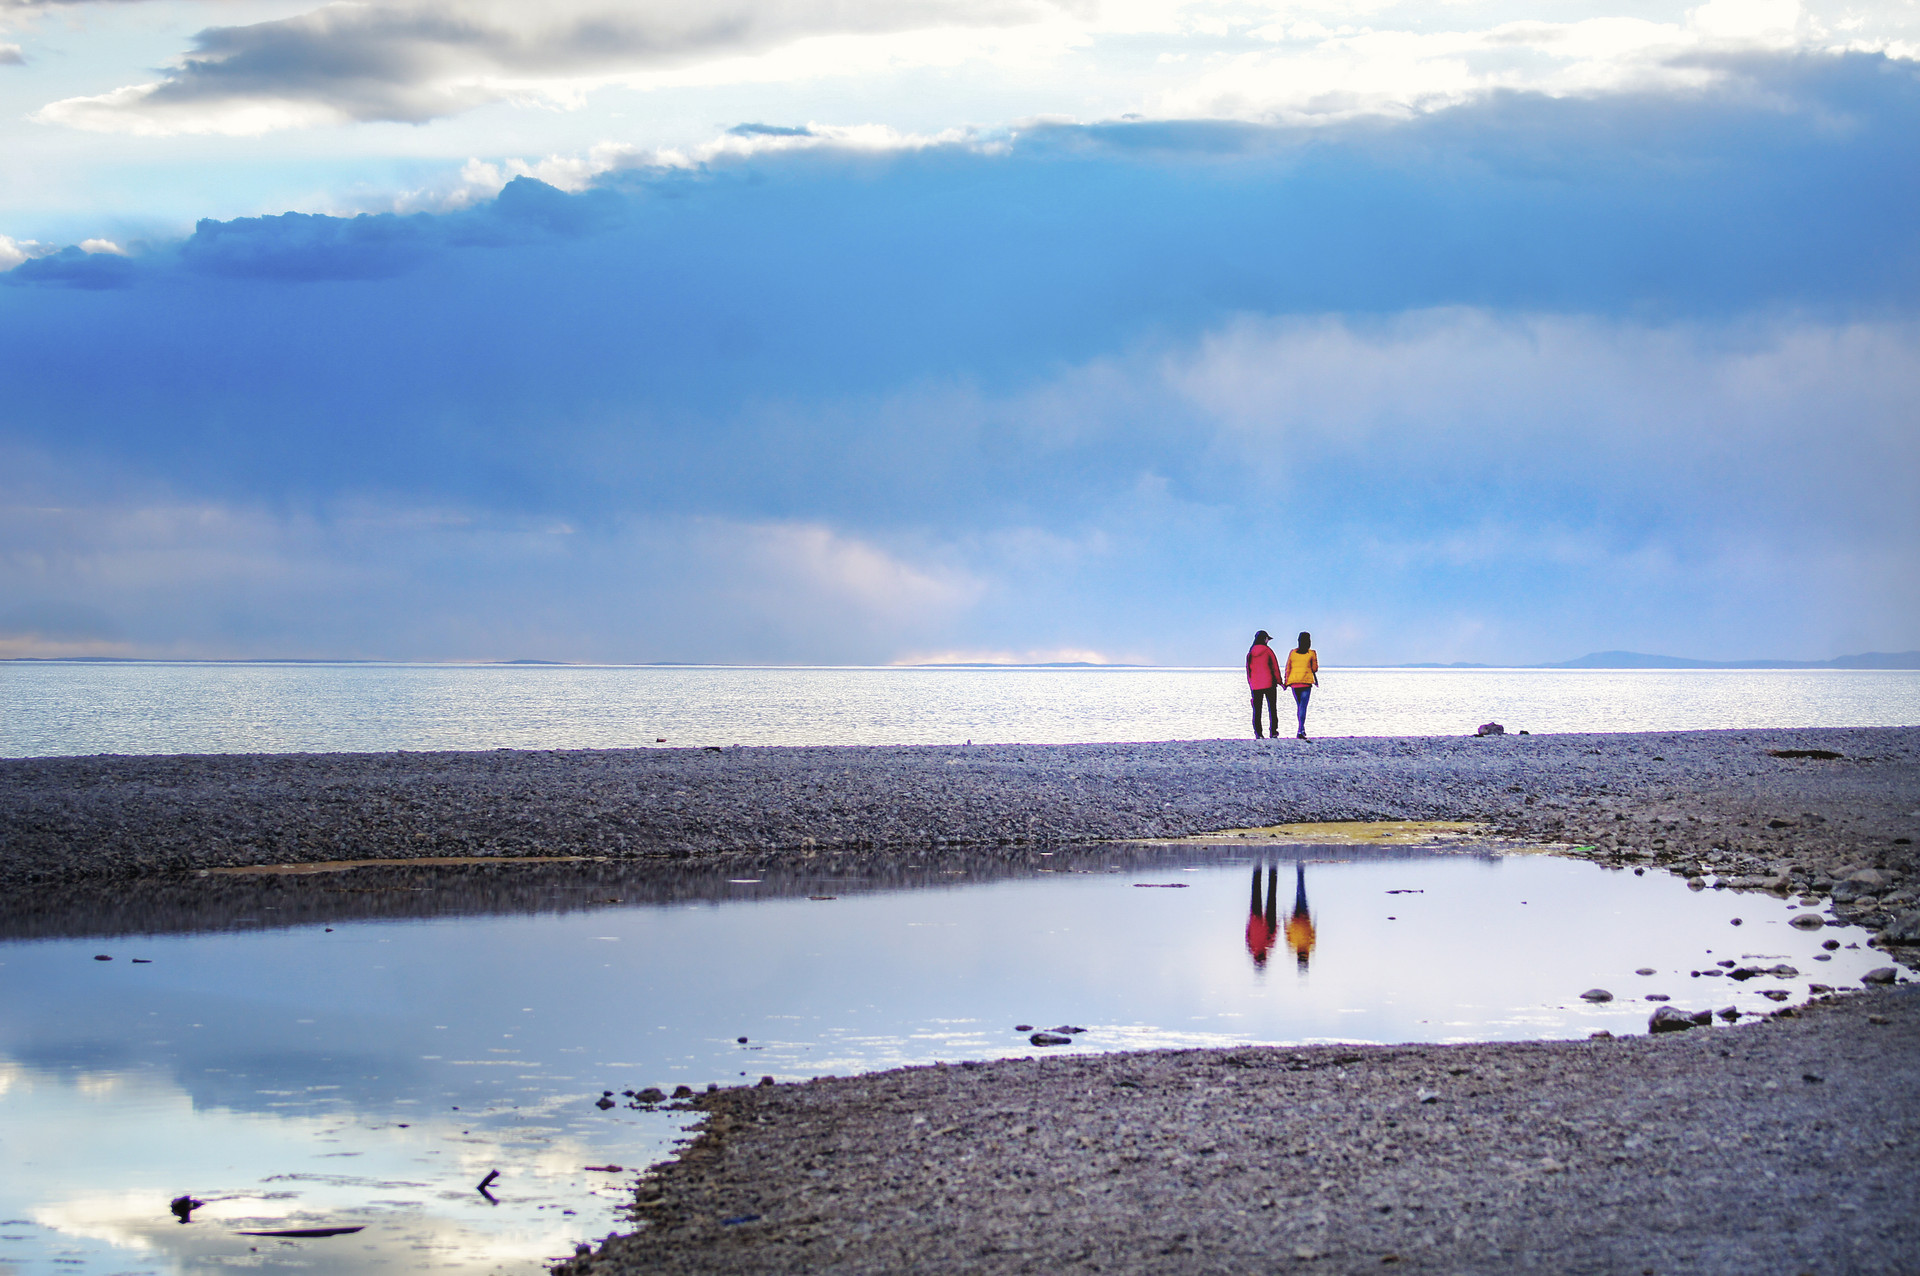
(73, 268)
(419, 61)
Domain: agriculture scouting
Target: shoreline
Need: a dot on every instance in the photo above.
(1704, 1150)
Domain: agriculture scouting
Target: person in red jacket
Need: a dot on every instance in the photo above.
(1303, 675)
(1263, 679)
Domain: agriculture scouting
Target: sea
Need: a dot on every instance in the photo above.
(57, 708)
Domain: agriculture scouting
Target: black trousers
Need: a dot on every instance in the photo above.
(1272, 696)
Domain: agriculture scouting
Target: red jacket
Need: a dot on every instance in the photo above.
(1263, 667)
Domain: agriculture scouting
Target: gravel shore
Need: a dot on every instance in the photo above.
(1708, 1150)
(1785, 1146)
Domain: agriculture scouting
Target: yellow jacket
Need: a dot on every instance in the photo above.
(1303, 668)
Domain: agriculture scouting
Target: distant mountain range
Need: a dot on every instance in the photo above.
(1640, 660)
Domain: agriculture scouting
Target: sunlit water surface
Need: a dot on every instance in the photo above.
(372, 1073)
(63, 708)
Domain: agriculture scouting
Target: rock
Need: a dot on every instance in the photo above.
(1808, 921)
(1882, 1020)
(1491, 728)
(1658, 996)
(1817, 989)
(683, 1092)
(603, 1103)
(765, 1082)
(1050, 1039)
(1668, 1019)
(101, 957)
(183, 1207)
(1745, 973)
(1596, 994)
(1068, 1029)
(1774, 994)
(652, 1094)
(1812, 1078)
(1730, 1013)
(1734, 922)
(1904, 929)
(1870, 879)
(1645, 970)
(1701, 1018)
(1023, 1027)
(1880, 975)
(1782, 971)
(1830, 944)
(1713, 971)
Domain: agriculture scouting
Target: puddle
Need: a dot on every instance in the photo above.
(359, 1048)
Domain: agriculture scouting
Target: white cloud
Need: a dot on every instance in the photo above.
(102, 246)
(15, 251)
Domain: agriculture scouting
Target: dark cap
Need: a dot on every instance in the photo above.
(1263, 636)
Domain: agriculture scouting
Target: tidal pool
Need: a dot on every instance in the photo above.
(359, 1049)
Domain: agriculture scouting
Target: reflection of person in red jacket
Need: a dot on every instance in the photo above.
(1263, 919)
(1263, 679)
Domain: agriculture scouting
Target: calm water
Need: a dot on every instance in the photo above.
(370, 1074)
(185, 708)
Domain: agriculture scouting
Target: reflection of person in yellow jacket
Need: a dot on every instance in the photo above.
(1300, 925)
(1302, 676)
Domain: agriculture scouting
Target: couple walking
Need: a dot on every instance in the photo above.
(1265, 677)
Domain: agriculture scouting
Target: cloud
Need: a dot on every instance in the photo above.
(11, 55)
(1556, 374)
(413, 62)
(166, 578)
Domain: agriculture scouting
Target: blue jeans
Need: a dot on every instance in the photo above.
(1300, 698)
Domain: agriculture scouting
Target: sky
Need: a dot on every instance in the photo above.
(827, 331)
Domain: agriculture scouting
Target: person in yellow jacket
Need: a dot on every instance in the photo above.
(1302, 676)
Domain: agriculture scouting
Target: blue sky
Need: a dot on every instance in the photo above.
(844, 333)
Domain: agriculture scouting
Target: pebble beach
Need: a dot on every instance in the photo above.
(1789, 1144)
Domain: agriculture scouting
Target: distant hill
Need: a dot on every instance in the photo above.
(1639, 660)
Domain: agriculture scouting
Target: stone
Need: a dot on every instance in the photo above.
(1716, 973)
(101, 957)
(1735, 921)
(652, 1094)
(1701, 1018)
(1830, 944)
(683, 1092)
(1596, 994)
(1782, 971)
(1490, 728)
(1068, 1029)
(1817, 989)
(1050, 1039)
(1870, 879)
(765, 1082)
(1668, 1019)
(1774, 994)
(1807, 921)
(1904, 929)
(1730, 1013)
(1644, 970)
(1658, 996)
(603, 1103)
(1023, 1027)
(1880, 975)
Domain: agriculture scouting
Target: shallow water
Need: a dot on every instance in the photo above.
(370, 1074)
(60, 708)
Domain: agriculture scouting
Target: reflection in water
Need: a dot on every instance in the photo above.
(373, 1043)
(1263, 917)
(1300, 925)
